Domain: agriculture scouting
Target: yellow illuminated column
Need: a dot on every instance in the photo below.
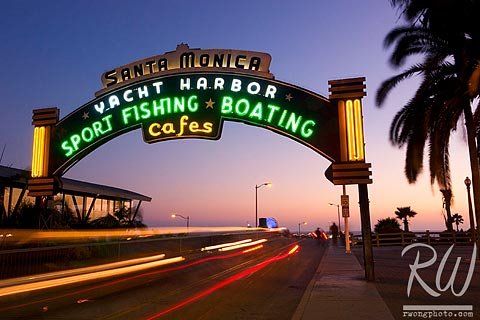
(354, 126)
(41, 151)
(347, 94)
(41, 182)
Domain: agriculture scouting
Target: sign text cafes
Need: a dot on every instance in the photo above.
(195, 106)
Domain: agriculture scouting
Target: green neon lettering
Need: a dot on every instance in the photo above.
(158, 107)
(238, 105)
(109, 124)
(257, 112)
(168, 101)
(145, 112)
(273, 109)
(66, 146)
(87, 134)
(97, 128)
(307, 132)
(75, 139)
(292, 123)
(192, 103)
(126, 114)
(178, 104)
(227, 105)
(282, 118)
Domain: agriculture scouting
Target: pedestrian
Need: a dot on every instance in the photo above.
(334, 232)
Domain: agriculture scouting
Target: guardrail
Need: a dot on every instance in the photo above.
(406, 238)
(48, 257)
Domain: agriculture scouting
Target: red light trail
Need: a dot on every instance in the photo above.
(225, 282)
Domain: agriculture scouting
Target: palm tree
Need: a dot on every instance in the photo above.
(457, 219)
(403, 213)
(447, 204)
(446, 34)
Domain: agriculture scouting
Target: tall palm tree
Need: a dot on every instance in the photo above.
(457, 219)
(403, 213)
(446, 34)
(447, 204)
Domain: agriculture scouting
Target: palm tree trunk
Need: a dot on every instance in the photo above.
(474, 165)
(405, 223)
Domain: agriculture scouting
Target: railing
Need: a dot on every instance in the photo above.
(406, 238)
(51, 256)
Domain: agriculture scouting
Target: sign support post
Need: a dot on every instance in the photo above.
(347, 94)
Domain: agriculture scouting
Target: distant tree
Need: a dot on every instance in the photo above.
(387, 225)
(457, 219)
(447, 204)
(403, 213)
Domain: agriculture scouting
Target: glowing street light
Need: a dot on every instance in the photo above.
(338, 213)
(268, 184)
(174, 215)
(299, 224)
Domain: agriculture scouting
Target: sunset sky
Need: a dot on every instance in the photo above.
(53, 53)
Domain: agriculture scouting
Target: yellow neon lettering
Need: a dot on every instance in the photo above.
(154, 129)
(183, 123)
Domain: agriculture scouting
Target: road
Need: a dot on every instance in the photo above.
(265, 283)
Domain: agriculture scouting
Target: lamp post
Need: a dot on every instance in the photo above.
(299, 224)
(338, 213)
(473, 235)
(268, 184)
(174, 215)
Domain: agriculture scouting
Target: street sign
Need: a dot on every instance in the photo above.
(344, 200)
(345, 212)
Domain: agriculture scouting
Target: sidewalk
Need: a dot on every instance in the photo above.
(338, 290)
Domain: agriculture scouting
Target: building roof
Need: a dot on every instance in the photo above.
(87, 188)
(18, 178)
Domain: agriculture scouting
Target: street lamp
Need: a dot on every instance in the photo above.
(473, 235)
(268, 184)
(338, 212)
(299, 224)
(174, 215)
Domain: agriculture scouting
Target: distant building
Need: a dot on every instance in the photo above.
(86, 200)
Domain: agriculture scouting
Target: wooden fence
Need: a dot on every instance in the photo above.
(406, 238)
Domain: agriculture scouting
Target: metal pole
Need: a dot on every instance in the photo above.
(299, 230)
(256, 206)
(470, 216)
(188, 223)
(366, 232)
(339, 225)
(347, 232)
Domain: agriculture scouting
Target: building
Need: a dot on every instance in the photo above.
(87, 201)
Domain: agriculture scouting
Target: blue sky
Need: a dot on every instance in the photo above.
(54, 52)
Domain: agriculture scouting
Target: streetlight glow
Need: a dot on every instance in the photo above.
(268, 184)
(299, 224)
(338, 213)
(174, 215)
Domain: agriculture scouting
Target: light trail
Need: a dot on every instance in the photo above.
(25, 236)
(84, 277)
(253, 249)
(218, 246)
(226, 282)
(238, 246)
(77, 271)
(118, 281)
